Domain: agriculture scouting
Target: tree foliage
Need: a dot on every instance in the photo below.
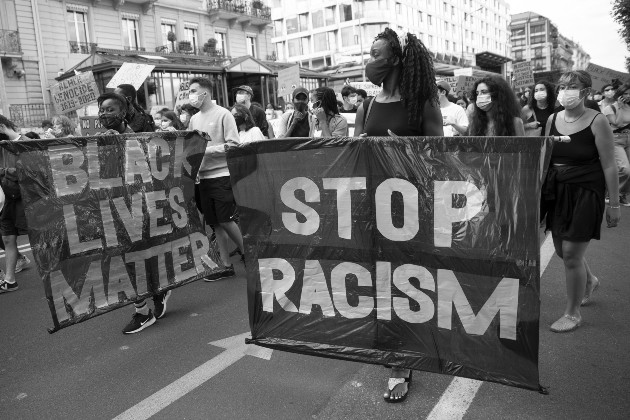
(621, 15)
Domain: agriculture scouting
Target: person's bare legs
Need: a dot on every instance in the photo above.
(222, 243)
(11, 252)
(234, 233)
(576, 272)
(401, 389)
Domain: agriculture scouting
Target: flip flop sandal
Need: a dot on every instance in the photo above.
(589, 292)
(567, 323)
(392, 384)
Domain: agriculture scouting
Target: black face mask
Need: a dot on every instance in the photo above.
(111, 121)
(300, 106)
(377, 70)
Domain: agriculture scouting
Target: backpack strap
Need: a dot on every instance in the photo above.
(367, 107)
(613, 108)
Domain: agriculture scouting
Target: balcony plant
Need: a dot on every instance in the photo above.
(210, 46)
(257, 4)
(171, 36)
(185, 46)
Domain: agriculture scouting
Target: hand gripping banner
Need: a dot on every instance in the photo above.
(413, 252)
(112, 219)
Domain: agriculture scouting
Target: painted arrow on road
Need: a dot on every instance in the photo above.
(235, 349)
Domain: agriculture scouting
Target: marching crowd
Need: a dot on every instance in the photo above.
(585, 174)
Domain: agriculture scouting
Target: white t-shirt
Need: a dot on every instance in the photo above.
(252, 134)
(455, 114)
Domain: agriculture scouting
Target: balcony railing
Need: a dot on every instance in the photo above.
(10, 42)
(210, 53)
(244, 7)
(80, 47)
(129, 48)
(31, 115)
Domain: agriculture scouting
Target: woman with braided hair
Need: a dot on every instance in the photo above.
(407, 106)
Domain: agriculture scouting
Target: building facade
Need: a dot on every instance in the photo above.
(335, 35)
(43, 40)
(536, 38)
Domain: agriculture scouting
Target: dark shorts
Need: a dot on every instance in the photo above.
(13, 219)
(217, 200)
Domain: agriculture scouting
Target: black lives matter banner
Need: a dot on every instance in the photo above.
(414, 252)
(112, 219)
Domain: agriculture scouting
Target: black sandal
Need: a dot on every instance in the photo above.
(393, 383)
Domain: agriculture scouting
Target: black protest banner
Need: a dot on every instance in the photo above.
(414, 252)
(112, 219)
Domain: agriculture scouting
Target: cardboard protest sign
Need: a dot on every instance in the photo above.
(182, 94)
(466, 71)
(90, 125)
(414, 252)
(288, 80)
(523, 74)
(602, 76)
(369, 87)
(113, 219)
(131, 74)
(74, 93)
(460, 83)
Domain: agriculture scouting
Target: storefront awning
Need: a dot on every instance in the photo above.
(489, 59)
(247, 64)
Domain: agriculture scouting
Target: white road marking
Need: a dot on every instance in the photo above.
(460, 393)
(21, 248)
(235, 350)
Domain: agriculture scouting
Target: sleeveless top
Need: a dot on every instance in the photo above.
(542, 115)
(581, 150)
(392, 116)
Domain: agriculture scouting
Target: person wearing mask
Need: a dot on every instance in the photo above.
(170, 122)
(400, 110)
(137, 119)
(12, 217)
(244, 95)
(536, 113)
(454, 119)
(361, 96)
(112, 113)
(578, 174)
(326, 119)
(215, 189)
(609, 91)
(495, 109)
(350, 99)
(296, 123)
(618, 115)
(247, 130)
(187, 111)
(62, 127)
(46, 125)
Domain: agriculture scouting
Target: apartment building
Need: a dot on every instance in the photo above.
(536, 38)
(43, 41)
(334, 36)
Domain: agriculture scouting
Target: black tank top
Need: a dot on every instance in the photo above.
(542, 115)
(580, 151)
(392, 116)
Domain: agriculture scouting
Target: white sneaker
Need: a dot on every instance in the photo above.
(22, 262)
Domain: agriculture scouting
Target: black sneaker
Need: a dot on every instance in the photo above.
(139, 322)
(10, 287)
(624, 201)
(227, 273)
(159, 301)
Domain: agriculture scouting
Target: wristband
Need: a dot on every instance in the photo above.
(614, 207)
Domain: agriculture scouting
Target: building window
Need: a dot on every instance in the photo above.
(190, 35)
(447, 45)
(320, 42)
(332, 40)
(292, 25)
(346, 12)
(538, 52)
(221, 41)
(251, 46)
(280, 51)
(305, 41)
(445, 7)
(538, 64)
(371, 30)
(398, 8)
(78, 33)
(166, 28)
(454, 46)
(329, 15)
(277, 27)
(430, 19)
(518, 55)
(130, 34)
(295, 47)
(347, 37)
(537, 28)
(445, 26)
(303, 22)
(430, 40)
(420, 16)
(518, 42)
(537, 39)
(318, 19)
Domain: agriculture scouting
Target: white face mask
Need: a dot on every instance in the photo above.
(484, 102)
(569, 98)
(241, 98)
(352, 100)
(165, 125)
(196, 100)
(541, 95)
(183, 118)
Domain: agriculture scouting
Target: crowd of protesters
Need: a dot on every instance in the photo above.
(584, 174)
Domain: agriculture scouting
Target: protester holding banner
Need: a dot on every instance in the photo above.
(137, 119)
(541, 105)
(12, 218)
(573, 194)
(215, 189)
(406, 106)
(170, 122)
(495, 109)
(62, 127)
(454, 119)
(327, 122)
(247, 130)
(618, 115)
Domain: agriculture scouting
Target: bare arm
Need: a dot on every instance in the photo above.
(432, 120)
(358, 122)
(606, 149)
(518, 127)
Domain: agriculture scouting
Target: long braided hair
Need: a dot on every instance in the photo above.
(417, 82)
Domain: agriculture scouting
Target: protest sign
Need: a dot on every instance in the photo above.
(414, 252)
(459, 84)
(523, 74)
(602, 76)
(288, 80)
(112, 219)
(466, 71)
(131, 74)
(369, 87)
(90, 125)
(74, 93)
(182, 94)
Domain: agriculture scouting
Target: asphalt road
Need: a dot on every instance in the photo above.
(93, 371)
